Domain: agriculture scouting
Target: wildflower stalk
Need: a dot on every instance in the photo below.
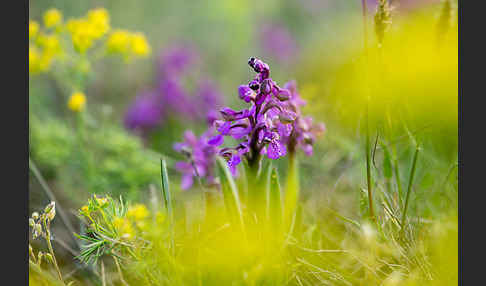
(365, 29)
(49, 246)
(368, 163)
(51, 197)
(119, 271)
(410, 183)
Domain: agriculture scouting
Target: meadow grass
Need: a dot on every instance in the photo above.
(376, 203)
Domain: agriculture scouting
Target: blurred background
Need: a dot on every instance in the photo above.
(199, 54)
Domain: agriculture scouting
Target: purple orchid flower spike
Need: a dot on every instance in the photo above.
(262, 127)
(304, 131)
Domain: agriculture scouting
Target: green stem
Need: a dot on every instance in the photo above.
(368, 166)
(397, 175)
(410, 183)
(51, 196)
(51, 250)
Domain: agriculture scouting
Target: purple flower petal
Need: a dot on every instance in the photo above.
(216, 140)
(276, 149)
(245, 93)
(233, 162)
(223, 128)
(186, 181)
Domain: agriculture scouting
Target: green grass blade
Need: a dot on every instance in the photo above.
(410, 183)
(230, 195)
(165, 187)
(167, 199)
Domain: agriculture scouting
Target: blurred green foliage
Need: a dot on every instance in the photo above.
(112, 161)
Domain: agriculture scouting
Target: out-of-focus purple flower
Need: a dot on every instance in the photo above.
(277, 42)
(145, 113)
(200, 158)
(177, 59)
(208, 98)
(261, 128)
(171, 97)
(175, 97)
(304, 131)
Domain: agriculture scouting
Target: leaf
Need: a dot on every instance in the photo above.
(230, 195)
(168, 201)
(165, 187)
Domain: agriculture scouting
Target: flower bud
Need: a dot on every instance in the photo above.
(50, 206)
(251, 62)
(283, 95)
(50, 211)
(102, 201)
(285, 118)
(35, 215)
(266, 87)
(31, 222)
(254, 85)
(49, 257)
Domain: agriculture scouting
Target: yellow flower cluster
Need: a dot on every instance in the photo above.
(138, 212)
(127, 44)
(124, 227)
(76, 103)
(86, 30)
(44, 48)
(42, 52)
(52, 18)
(33, 29)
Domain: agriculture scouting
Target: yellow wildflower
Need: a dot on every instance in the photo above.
(139, 45)
(81, 34)
(50, 44)
(138, 212)
(118, 42)
(85, 209)
(77, 101)
(52, 17)
(100, 22)
(101, 201)
(124, 227)
(33, 29)
(127, 44)
(34, 58)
